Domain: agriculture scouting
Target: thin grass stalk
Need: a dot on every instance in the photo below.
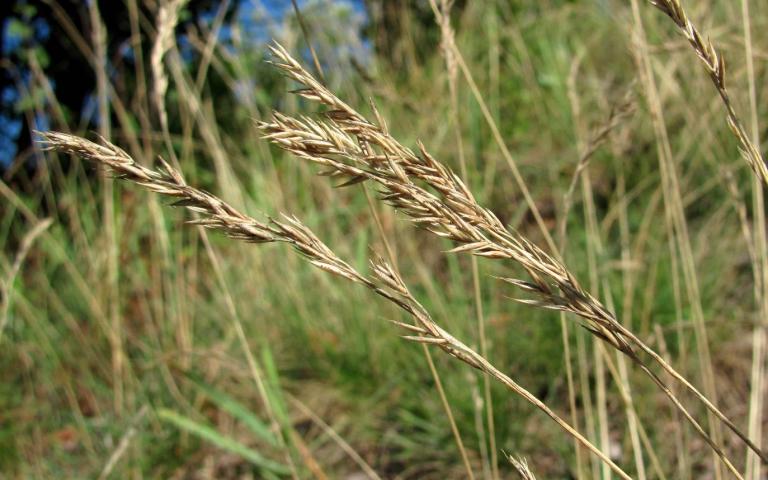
(167, 19)
(521, 465)
(760, 262)
(684, 461)
(144, 114)
(565, 337)
(123, 444)
(9, 279)
(218, 215)
(99, 40)
(52, 244)
(343, 444)
(174, 305)
(587, 398)
(448, 48)
(628, 283)
(625, 394)
(142, 97)
(508, 158)
(479, 420)
(681, 433)
(206, 55)
(427, 354)
(592, 250)
(305, 32)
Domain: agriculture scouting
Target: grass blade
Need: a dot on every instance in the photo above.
(237, 410)
(209, 434)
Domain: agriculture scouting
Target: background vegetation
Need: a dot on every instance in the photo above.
(131, 346)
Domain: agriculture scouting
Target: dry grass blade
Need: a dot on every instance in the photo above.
(620, 112)
(6, 287)
(448, 49)
(167, 19)
(218, 215)
(330, 432)
(433, 197)
(715, 65)
(521, 465)
(124, 443)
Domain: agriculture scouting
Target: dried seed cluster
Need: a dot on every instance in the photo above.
(715, 65)
(433, 197)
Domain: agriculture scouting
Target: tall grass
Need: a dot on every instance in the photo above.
(105, 324)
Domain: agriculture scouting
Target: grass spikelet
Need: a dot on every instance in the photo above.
(521, 465)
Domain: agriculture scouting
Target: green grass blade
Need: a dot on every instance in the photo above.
(237, 410)
(209, 434)
(273, 386)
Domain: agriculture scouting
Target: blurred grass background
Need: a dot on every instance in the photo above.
(121, 324)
